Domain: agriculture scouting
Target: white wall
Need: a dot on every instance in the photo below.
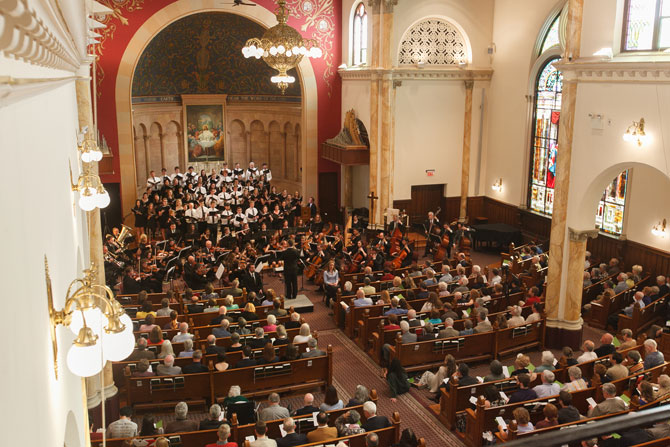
(516, 26)
(598, 155)
(37, 137)
(428, 135)
(648, 204)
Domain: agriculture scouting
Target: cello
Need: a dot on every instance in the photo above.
(441, 251)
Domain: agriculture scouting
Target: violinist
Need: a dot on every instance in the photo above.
(131, 281)
(227, 240)
(173, 233)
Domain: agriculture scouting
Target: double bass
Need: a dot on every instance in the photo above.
(396, 236)
(441, 251)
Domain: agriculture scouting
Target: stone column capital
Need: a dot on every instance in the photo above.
(581, 236)
(374, 5)
(389, 4)
(469, 84)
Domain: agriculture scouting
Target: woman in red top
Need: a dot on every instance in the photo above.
(392, 324)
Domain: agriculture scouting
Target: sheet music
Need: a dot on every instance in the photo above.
(219, 271)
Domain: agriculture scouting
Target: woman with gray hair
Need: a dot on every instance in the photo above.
(548, 360)
(166, 349)
(188, 349)
(234, 396)
(304, 335)
(361, 395)
(214, 420)
(347, 424)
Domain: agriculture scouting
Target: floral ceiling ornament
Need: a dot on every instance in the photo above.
(319, 16)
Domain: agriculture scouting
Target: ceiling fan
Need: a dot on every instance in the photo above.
(239, 3)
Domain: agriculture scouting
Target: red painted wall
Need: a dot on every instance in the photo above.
(129, 16)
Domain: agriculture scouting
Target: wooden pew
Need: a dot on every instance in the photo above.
(232, 358)
(644, 318)
(283, 377)
(483, 419)
(240, 432)
(477, 347)
(255, 381)
(600, 311)
(428, 354)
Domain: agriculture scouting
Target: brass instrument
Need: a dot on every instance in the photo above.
(123, 235)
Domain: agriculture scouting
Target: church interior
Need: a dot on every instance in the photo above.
(336, 222)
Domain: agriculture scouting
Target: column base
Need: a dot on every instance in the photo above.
(111, 412)
(563, 333)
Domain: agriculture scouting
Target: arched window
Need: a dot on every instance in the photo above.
(551, 38)
(646, 25)
(609, 217)
(548, 89)
(545, 151)
(360, 35)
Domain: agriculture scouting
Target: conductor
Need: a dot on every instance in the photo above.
(290, 257)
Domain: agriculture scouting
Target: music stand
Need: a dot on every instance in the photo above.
(183, 250)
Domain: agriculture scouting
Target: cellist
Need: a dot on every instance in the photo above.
(395, 223)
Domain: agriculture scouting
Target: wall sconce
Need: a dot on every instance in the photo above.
(85, 311)
(91, 192)
(89, 151)
(498, 185)
(659, 229)
(636, 133)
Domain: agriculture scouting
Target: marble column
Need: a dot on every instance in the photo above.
(373, 133)
(465, 162)
(348, 180)
(102, 383)
(385, 158)
(566, 257)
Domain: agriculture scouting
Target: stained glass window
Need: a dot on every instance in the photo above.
(360, 35)
(609, 217)
(647, 25)
(545, 138)
(551, 38)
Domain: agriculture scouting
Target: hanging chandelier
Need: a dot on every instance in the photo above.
(282, 48)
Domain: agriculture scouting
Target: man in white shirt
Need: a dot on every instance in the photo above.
(588, 354)
(154, 182)
(548, 387)
(212, 197)
(239, 219)
(226, 215)
(266, 173)
(252, 214)
(177, 175)
(237, 171)
(191, 175)
(252, 171)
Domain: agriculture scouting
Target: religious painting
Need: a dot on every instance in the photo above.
(205, 130)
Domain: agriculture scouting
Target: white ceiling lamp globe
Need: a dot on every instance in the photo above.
(103, 199)
(86, 157)
(117, 347)
(93, 318)
(281, 49)
(289, 53)
(273, 51)
(86, 203)
(85, 361)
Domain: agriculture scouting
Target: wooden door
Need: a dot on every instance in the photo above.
(329, 201)
(424, 198)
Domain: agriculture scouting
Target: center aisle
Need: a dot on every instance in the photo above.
(353, 367)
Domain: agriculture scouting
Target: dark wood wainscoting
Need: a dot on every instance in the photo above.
(537, 227)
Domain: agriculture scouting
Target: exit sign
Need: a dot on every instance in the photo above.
(430, 172)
